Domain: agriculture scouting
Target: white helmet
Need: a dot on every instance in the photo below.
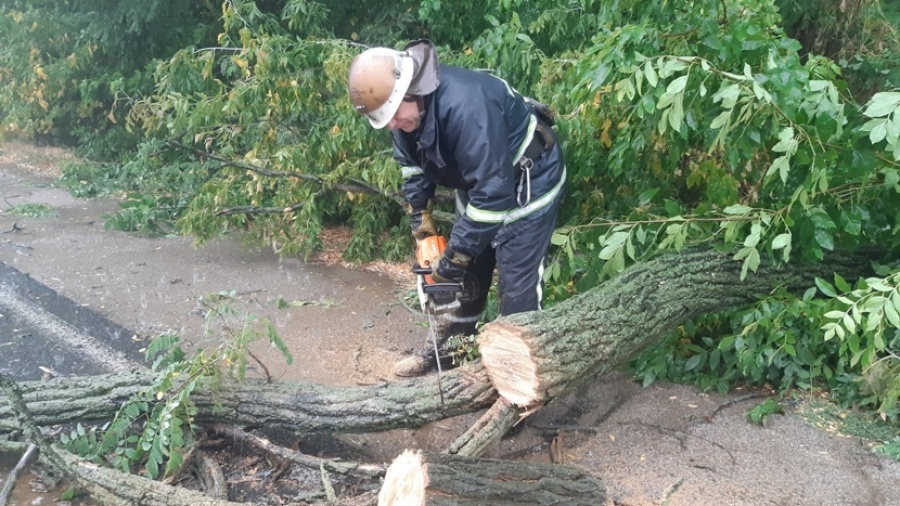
(378, 80)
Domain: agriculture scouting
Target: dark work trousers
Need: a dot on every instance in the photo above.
(517, 252)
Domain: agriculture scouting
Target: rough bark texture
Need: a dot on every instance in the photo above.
(534, 357)
(295, 406)
(495, 422)
(112, 487)
(442, 479)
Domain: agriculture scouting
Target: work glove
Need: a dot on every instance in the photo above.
(422, 223)
(451, 267)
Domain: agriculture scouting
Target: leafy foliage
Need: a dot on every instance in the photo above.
(68, 68)
(764, 128)
(154, 429)
(32, 210)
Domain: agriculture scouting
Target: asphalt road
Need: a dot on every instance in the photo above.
(44, 333)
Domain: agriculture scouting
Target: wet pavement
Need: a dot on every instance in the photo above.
(43, 333)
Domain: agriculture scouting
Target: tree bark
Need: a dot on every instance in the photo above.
(299, 407)
(441, 479)
(535, 357)
(529, 359)
(112, 487)
(495, 422)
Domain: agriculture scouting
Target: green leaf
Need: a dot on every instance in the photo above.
(647, 196)
(752, 240)
(650, 74)
(721, 120)
(676, 114)
(608, 252)
(781, 241)
(849, 324)
(892, 315)
(737, 210)
(825, 239)
(131, 410)
(878, 131)
(786, 142)
(693, 362)
(790, 350)
(841, 284)
(882, 104)
(826, 288)
(677, 85)
(781, 166)
(726, 343)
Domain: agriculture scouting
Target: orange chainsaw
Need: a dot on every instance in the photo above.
(435, 297)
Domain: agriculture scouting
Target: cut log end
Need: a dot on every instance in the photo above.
(405, 481)
(438, 479)
(510, 364)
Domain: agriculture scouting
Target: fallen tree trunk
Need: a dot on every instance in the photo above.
(535, 357)
(295, 406)
(441, 479)
(530, 358)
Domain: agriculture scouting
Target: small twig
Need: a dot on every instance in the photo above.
(15, 228)
(327, 485)
(664, 500)
(251, 210)
(732, 402)
(14, 474)
(6, 197)
(367, 471)
(681, 436)
(261, 364)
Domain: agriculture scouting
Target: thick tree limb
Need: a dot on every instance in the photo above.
(442, 479)
(535, 357)
(295, 406)
(486, 430)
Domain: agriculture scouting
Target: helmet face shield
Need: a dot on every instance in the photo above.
(377, 80)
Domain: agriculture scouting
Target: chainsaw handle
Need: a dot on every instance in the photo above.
(418, 269)
(443, 287)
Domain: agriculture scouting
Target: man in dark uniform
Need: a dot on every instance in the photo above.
(469, 131)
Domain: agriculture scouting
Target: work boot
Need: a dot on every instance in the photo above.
(415, 365)
(423, 362)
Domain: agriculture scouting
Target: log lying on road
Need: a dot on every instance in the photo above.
(421, 479)
(534, 357)
(295, 406)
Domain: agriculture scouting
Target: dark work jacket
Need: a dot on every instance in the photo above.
(473, 127)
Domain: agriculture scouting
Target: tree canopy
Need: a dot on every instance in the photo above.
(766, 128)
